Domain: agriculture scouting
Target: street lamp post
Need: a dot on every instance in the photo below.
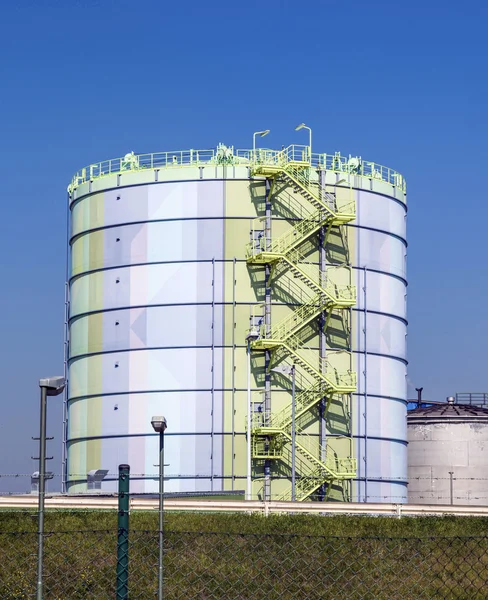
(50, 386)
(303, 126)
(261, 134)
(250, 337)
(159, 425)
(290, 370)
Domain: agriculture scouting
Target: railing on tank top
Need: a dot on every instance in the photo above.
(227, 156)
(472, 398)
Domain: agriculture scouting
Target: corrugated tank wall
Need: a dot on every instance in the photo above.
(381, 329)
(160, 301)
(152, 304)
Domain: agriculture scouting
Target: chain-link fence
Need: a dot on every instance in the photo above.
(203, 566)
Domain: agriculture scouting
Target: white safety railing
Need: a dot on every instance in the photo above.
(357, 508)
(226, 155)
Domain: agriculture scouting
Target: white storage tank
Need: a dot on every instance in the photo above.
(173, 258)
(447, 454)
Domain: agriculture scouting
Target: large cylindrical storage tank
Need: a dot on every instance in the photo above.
(447, 446)
(172, 265)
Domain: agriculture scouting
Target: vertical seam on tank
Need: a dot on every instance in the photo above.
(365, 299)
(359, 451)
(223, 322)
(233, 363)
(213, 380)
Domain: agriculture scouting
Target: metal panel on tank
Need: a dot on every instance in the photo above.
(381, 329)
(146, 332)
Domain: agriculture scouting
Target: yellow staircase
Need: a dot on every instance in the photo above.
(315, 472)
(271, 432)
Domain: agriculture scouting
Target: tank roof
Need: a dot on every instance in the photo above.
(452, 412)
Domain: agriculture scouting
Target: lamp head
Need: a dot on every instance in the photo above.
(159, 424)
(284, 369)
(54, 385)
(252, 335)
(97, 474)
(301, 126)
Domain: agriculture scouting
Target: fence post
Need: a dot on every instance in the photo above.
(123, 535)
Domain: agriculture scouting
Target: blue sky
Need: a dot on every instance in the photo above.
(400, 83)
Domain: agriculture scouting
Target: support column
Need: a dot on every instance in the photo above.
(267, 321)
(322, 339)
(64, 451)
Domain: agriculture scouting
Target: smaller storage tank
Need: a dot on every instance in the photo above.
(448, 454)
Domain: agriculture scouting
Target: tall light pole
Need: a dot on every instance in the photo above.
(303, 126)
(290, 370)
(50, 386)
(261, 134)
(250, 337)
(159, 425)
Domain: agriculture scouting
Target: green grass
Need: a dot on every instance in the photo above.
(240, 556)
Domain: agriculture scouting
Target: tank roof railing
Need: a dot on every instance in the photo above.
(226, 155)
(479, 399)
(473, 398)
